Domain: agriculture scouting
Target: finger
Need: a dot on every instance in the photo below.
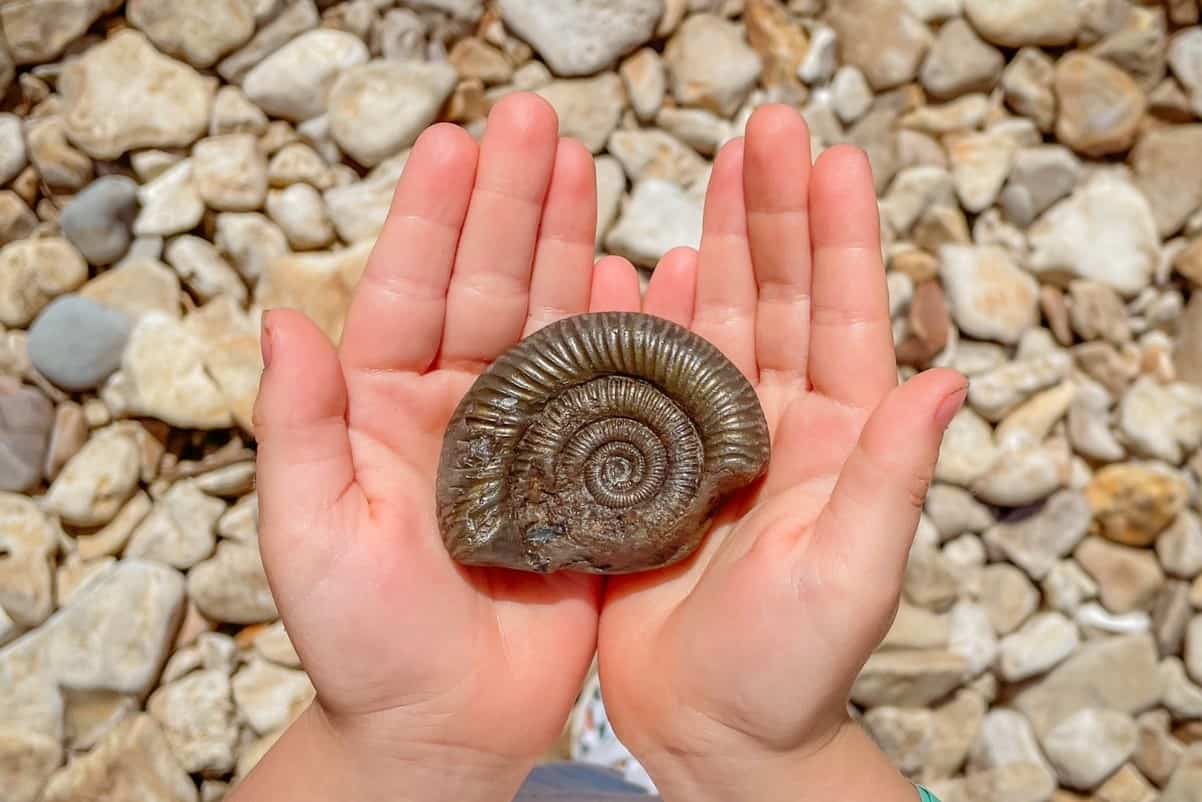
(726, 293)
(776, 179)
(673, 287)
(868, 524)
(563, 258)
(395, 320)
(851, 341)
(490, 287)
(615, 286)
(304, 457)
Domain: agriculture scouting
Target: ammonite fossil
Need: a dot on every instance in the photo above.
(601, 443)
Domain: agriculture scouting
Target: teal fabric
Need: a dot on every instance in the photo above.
(926, 796)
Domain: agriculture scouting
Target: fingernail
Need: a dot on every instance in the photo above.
(265, 338)
(949, 406)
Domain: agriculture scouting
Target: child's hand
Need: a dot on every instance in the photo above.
(725, 674)
(462, 675)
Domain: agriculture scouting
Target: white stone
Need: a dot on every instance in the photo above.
(179, 531)
(981, 163)
(1042, 642)
(301, 215)
(968, 451)
(197, 716)
(589, 108)
(231, 586)
(95, 483)
(270, 697)
(34, 272)
(851, 96)
(250, 241)
(1154, 421)
(293, 82)
(650, 153)
(583, 37)
(1180, 546)
(1025, 22)
(822, 58)
(972, 636)
(12, 148)
(658, 216)
(990, 298)
(202, 269)
(28, 542)
(233, 113)
(199, 33)
(711, 65)
(1089, 746)
(358, 210)
(170, 203)
(229, 172)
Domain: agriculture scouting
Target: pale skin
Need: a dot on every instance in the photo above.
(726, 675)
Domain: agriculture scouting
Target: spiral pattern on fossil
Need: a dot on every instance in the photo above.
(600, 443)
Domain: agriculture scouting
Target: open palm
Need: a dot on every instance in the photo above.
(754, 642)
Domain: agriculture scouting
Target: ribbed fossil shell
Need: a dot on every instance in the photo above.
(601, 443)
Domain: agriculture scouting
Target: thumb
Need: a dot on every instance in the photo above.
(873, 511)
(304, 459)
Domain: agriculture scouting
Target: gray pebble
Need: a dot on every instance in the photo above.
(25, 421)
(98, 220)
(77, 343)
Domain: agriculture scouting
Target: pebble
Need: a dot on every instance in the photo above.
(585, 37)
(1104, 232)
(241, 521)
(1182, 698)
(28, 541)
(1039, 177)
(95, 483)
(292, 83)
(891, 50)
(1165, 162)
(821, 59)
(233, 357)
(780, 41)
(1026, 476)
(229, 172)
(37, 33)
(231, 587)
(990, 297)
(170, 203)
(1128, 578)
(646, 154)
(12, 148)
(1100, 106)
(1179, 547)
(588, 108)
(134, 761)
(1028, 87)
(916, 628)
(1008, 596)
(59, 164)
(1184, 785)
(296, 163)
(851, 96)
(1006, 739)
(1090, 745)
(268, 696)
(1133, 503)
(711, 65)
(954, 511)
(123, 94)
(32, 273)
(1018, 782)
(907, 678)
(968, 451)
(959, 62)
(1031, 422)
(202, 269)
(319, 284)
(274, 644)
(1193, 648)
(905, 735)
(358, 210)
(301, 214)
(291, 21)
(17, 220)
(233, 113)
(1097, 312)
(658, 216)
(1185, 60)
(196, 713)
(1037, 542)
(179, 530)
(378, 109)
(29, 758)
(137, 288)
(1025, 22)
(646, 81)
(249, 241)
(1040, 644)
(1157, 423)
(199, 34)
(25, 421)
(77, 343)
(1158, 753)
(98, 220)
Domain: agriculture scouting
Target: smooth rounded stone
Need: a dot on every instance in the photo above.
(28, 542)
(69, 433)
(1006, 739)
(241, 521)
(822, 58)
(1008, 596)
(889, 51)
(1090, 745)
(658, 216)
(1128, 578)
(916, 628)
(98, 220)
(1182, 698)
(588, 108)
(1133, 503)
(378, 109)
(1037, 542)
(198, 33)
(1031, 422)
(905, 735)
(980, 163)
(1026, 476)
(1193, 648)
(1179, 547)
(179, 531)
(1185, 60)
(233, 113)
(12, 148)
(1100, 106)
(996, 393)
(358, 210)
(318, 284)
(954, 511)
(196, 713)
(971, 635)
(275, 29)
(292, 83)
(27, 759)
(233, 357)
(1157, 423)
(1027, 84)
(1025, 22)
(913, 191)
(1096, 312)
(163, 376)
(990, 297)
(95, 484)
(960, 61)
(711, 65)
(273, 644)
(77, 343)
(582, 38)
(474, 58)
(301, 215)
(851, 96)
(1093, 618)
(170, 203)
(269, 697)
(929, 581)
(1168, 169)
(1089, 426)
(38, 32)
(1042, 642)
(32, 273)
(249, 240)
(229, 481)
(649, 153)
(968, 451)
(1170, 617)
(60, 165)
(1186, 783)
(1127, 785)
(780, 41)
(1158, 753)
(1039, 177)
(123, 94)
(136, 288)
(203, 270)
(17, 220)
(1104, 232)
(26, 418)
(1017, 782)
(134, 761)
(229, 173)
(646, 82)
(231, 587)
(296, 163)
(911, 678)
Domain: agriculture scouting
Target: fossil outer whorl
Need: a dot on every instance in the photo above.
(600, 443)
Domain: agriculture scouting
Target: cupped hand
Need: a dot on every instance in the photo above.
(750, 648)
(482, 245)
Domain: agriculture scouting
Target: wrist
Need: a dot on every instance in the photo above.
(847, 765)
(322, 757)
